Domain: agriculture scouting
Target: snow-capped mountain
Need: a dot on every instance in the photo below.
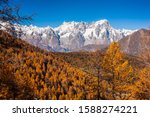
(78, 34)
(45, 38)
(71, 35)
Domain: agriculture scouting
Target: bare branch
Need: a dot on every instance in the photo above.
(11, 15)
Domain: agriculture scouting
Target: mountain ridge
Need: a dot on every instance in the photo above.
(71, 35)
(137, 43)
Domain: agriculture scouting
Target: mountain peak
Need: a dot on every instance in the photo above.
(104, 21)
(100, 22)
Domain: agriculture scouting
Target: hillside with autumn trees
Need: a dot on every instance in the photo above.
(27, 72)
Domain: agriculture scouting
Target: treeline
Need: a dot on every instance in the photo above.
(26, 72)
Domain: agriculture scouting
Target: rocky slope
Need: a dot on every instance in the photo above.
(137, 43)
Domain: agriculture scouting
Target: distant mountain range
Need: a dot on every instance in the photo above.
(72, 36)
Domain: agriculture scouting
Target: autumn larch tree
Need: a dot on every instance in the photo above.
(117, 71)
(143, 84)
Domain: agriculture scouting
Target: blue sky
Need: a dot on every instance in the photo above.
(131, 14)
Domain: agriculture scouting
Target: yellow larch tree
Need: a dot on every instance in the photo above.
(143, 84)
(117, 71)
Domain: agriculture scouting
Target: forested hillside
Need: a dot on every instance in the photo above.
(27, 72)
